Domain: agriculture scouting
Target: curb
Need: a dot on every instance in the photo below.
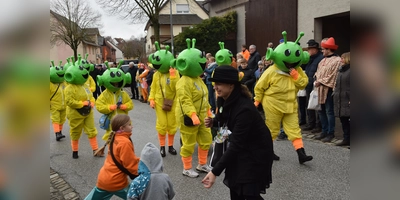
(60, 189)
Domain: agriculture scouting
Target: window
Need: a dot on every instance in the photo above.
(182, 8)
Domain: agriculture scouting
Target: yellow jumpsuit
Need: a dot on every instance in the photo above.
(91, 84)
(108, 98)
(163, 86)
(57, 106)
(74, 97)
(277, 92)
(190, 92)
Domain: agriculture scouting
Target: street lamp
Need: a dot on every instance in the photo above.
(172, 28)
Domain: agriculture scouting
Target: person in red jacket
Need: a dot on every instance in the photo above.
(111, 179)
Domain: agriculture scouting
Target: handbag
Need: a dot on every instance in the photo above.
(167, 103)
(104, 121)
(313, 101)
(85, 110)
(301, 93)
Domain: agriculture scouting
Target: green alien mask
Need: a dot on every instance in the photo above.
(191, 61)
(223, 56)
(76, 74)
(85, 63)
(288, 54)
(161, 59)
(57, 73)
(114, 78)
(67, 64)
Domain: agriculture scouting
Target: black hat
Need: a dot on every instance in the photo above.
(225, 74)
(313, 44)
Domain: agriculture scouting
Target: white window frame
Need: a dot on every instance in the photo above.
(182, 8)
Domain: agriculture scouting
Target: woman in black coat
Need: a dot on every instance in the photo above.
(248, 159)
(341, 98)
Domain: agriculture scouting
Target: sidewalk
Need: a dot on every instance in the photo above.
(61, 190)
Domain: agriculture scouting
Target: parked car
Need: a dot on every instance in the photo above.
(135, 61)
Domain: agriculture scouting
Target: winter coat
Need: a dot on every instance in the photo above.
(248, 77)
(248, 159)
(253, 61)
(311, 68)
(341, 93)
(209, 71)
(110, 177)
(152, 183)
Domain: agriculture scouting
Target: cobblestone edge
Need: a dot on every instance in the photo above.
(60, 189)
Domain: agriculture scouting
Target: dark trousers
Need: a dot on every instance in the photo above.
(235, 196)
(97, 92)
(345, 127)
(327, 116)
(134, 90)
(302, 109)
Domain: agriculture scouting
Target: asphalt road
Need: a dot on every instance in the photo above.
(325, 177)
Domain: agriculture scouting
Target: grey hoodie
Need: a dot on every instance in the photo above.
(159, 186)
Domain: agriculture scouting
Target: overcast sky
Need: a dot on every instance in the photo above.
(115, 27)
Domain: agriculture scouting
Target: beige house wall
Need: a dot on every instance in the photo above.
(310, 10)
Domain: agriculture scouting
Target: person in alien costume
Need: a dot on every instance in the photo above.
(89, 67)
(57, 103)
(277, 91)
(223, 56)
(80, 101)
(114, 100)
(163, 87)
(192, 102)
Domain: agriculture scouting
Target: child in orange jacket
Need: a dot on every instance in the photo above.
(111, 179)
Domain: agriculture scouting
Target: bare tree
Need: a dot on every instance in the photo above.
(137, 11)
(132, 48)
(74, 17)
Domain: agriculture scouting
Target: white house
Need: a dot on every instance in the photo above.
(185, 13)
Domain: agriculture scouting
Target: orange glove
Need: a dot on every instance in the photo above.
(92, 104)
(85, 103)
(172, 73)
(294, 74)
(152, 103)
(209, 113)
(113, 107)
(256, 103)
(123, 107)
(195, 119)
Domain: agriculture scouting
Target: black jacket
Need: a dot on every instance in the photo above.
(248, 159)
(341, 94)
(248, 77)
(132, 71)
(253, 61)
(311, 68)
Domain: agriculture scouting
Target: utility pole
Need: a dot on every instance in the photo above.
(172, 28)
